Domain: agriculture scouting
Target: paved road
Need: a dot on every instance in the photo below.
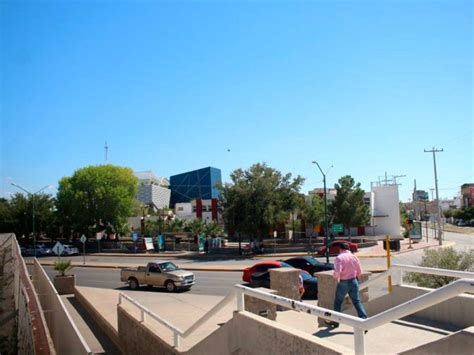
(208, 283)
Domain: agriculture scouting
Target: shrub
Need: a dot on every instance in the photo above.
(62, 266)
(445, 258)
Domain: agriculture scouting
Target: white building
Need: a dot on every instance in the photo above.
(153, 190)
(207, 210)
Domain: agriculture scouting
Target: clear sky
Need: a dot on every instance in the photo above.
(172, 86)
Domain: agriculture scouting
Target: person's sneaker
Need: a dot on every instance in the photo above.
(332, 324)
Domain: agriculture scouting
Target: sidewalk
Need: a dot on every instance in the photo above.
(371, 252)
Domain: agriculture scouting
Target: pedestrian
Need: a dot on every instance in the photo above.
(206, 246)
(300, 285)
(347, 271)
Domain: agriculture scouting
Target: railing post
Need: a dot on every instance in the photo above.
(142, 315)
(120, 299)
(240, 300)
(176, 339)
(359, 341)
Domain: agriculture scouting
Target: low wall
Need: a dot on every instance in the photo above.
(457, 311)
(460, 343)
(66, 337)
(248, 333)
(136, 338)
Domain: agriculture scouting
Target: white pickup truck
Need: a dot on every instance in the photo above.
(160, 273)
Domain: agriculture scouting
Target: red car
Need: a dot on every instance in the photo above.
(262, 267)
(335, 246)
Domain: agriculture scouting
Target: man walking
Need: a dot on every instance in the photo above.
(347, 270)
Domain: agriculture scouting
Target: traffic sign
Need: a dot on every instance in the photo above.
(58, 248)
(83, 238)
(336, 228)
(99, 235)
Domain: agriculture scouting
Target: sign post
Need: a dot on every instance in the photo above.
(83, 240)
(275, 234)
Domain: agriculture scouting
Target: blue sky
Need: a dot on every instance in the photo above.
(171, 86)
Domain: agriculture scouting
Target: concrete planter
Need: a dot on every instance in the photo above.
(65, 284)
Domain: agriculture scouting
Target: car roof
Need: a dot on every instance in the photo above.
(269, 262)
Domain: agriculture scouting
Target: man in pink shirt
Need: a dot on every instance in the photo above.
(347, 270)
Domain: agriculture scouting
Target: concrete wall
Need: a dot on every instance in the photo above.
(459, 343)
(457, 311)
(248, 333)
(25, 326)
(137, 338)
(66, 337)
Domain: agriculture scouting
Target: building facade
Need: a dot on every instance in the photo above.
(153, 190)
(207, 210)
(467, 195)
(195, 185)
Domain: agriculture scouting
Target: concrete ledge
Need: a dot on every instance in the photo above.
(108, 329)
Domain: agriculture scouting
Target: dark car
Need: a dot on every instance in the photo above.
(309, 264)
(335, 247)
(310, 283)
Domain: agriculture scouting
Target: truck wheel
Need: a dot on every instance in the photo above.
(170, 286)
(133, 283)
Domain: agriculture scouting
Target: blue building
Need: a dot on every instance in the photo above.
(197, 184)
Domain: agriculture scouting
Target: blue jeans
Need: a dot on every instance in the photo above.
(352, 287)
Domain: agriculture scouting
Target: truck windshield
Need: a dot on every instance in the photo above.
(168, 267)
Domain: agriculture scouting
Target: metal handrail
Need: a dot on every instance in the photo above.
(177, 333)
(360, 325)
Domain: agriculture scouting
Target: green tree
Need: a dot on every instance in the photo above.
(348, 208)
(195, 226)
(97, 197)
(445, 258)
(312, 211)
(259, 199)
(213, 229)
(16, 215)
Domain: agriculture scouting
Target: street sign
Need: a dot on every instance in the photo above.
(134, 236)
(58, 248)
(336, 228)
(99, 235)
(83, 238)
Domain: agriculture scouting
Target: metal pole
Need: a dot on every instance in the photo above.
(434, 151)
(387, 247)
(326, 219)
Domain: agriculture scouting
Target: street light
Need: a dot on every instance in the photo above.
(32, 195)
(325, 210)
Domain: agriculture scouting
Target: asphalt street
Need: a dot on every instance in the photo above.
(207, 282)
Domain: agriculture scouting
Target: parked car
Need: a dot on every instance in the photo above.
(41, 250)
(335, 247)
(69, 250)
(262, 267)
(463, 223)
(161, 273)
(309, 264)
(310, 283)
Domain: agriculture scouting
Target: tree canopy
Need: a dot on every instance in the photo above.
(97, 198)
(313, 210)
(16, 214)
(348, 207)
(258, 199)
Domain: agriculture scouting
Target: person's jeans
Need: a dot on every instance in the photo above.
(352, 287)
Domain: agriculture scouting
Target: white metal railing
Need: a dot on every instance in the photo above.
(177, 333)
(360, 325)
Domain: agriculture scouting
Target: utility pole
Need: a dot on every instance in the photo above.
(106, 148)
(434, 151)
(326, 231)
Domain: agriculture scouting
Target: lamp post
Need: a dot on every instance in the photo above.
(32, 195)
(325, 211)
